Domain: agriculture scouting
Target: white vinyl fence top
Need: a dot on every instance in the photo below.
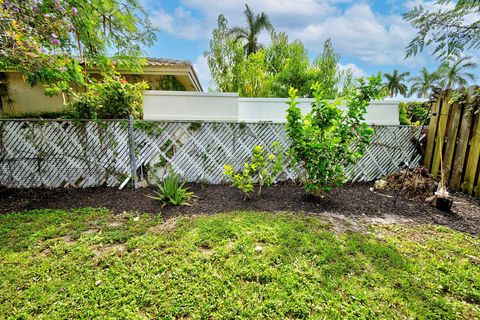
(208, 106)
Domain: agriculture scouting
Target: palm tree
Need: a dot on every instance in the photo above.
(454, 73)
(424, 83)
(255, 25)
(394, 84)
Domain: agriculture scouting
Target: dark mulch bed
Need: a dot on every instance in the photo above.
(352, 200)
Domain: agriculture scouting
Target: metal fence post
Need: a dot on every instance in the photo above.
(133, 160)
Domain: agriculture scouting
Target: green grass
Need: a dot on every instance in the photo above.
(89, 263)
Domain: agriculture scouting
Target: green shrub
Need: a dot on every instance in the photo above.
(38, 115)
(402, 114)
(111, 98)
(327, 139)
(171, 191)
(414, 113)
(262, 169)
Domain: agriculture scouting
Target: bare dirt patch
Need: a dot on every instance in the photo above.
(90, 231)
(101, 251)
(68, 239)
(167, 226)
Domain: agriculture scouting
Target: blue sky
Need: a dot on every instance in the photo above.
(369, 35)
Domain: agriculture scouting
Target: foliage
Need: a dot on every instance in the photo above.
(402, 114)
(255, 25)
(327, 139)
(447, 26)
(111, 98)
(454, 72)
(169, 83)
(38, 115)
(261, 168)
(48, 40)
(287, 65)
(395, 83)
(414, 113)
(324, 72)
(424, 84)
(171, 191)
(271, 71)
(90, 263)
(253, 76)
(224, 58)
(467, 98)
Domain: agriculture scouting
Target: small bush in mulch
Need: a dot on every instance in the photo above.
(413, 183)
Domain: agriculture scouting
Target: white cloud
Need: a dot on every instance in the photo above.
(356, 30)
(356, 71)
(284, 14)
(201, 68)
(181, 23)
(293, 11)
(409, 5)
(359, 32)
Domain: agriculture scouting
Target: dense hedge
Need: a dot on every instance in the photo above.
(414, 113)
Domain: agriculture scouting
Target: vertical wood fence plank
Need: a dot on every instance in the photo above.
(453, 128)
(432, 131)
(461, 150)
(477, 188)
(473, 158)
(444, 112)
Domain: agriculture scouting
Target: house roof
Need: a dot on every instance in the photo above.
(167, 62)
(182, 69)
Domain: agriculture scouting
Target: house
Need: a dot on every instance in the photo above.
(18, 97)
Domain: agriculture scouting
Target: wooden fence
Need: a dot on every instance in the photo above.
(454, 140)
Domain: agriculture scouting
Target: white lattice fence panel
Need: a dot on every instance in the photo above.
(390, 148)
(198, 153)
(60, 153)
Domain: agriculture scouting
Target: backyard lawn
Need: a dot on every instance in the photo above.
(90, 263)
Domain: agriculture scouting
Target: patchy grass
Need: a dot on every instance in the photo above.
(88, 263)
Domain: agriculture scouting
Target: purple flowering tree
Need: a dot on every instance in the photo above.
(50, 41)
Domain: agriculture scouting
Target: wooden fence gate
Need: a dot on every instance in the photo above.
(454, 140)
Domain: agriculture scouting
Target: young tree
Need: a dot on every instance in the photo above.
(255, 25)
(448, 27)
(48, 39)
(328, 139)
(424, 83)
(253, 77)
(278, 67)
(325, 72)
(287, 64)
(453, 73)
(395, 83)
(224, 58)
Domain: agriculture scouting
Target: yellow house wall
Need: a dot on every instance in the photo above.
(22, 98)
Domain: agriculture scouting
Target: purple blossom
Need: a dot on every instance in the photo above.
(47, 15)
(55, 41)
(74, 11)
(53, 35)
